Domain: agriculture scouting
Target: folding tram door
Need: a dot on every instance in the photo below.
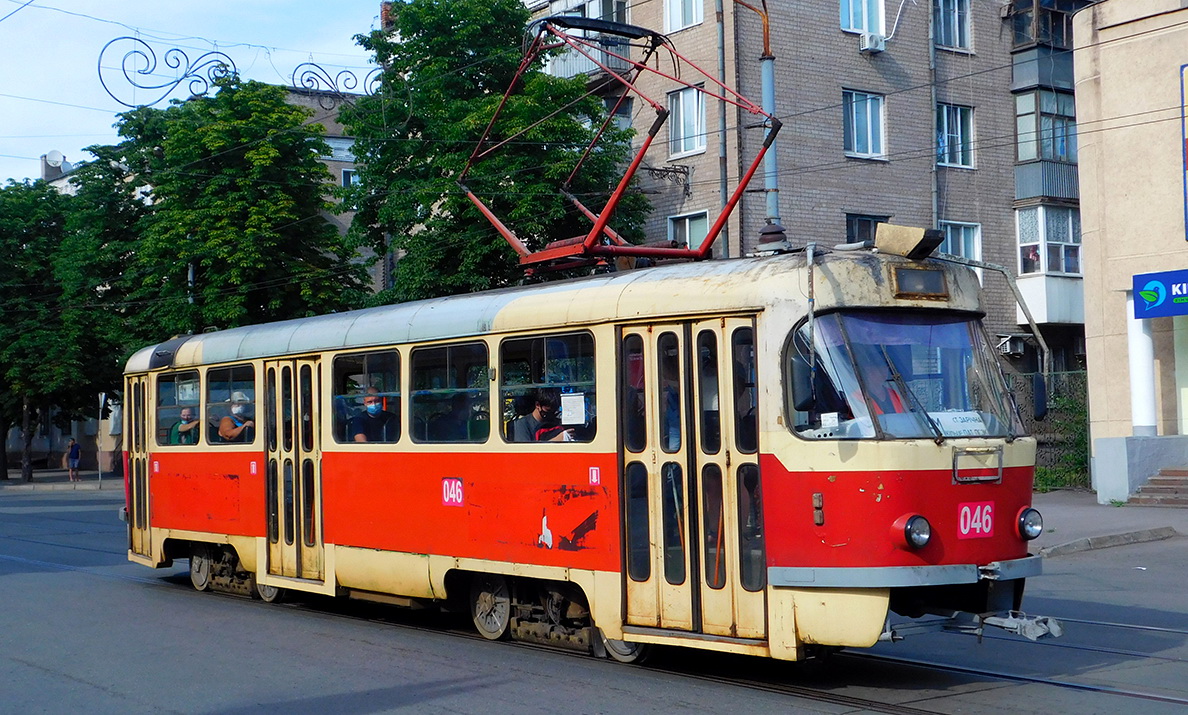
(139, 536)
(691, 490)
(293, 487)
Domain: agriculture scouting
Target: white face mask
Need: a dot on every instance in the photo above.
(237, 409)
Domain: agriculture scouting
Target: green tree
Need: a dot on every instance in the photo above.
(446, 65)
(236, 232)
(40, 360)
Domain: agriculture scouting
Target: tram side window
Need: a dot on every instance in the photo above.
(547, 388)
(746, 393)
(231, 405)
(179, 403)
(451, 394)
(367, 397)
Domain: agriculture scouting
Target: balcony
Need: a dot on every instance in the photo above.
(1046, 179)
(1052, 299)
(571, 63)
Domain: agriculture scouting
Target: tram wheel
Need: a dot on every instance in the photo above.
(625, 652)
(269, 594)
(200, 568)
(490, 606)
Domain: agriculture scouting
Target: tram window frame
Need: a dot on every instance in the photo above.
(709, 407)
(669, 409)
(439, 374)
(746, 424)
(354, 374)
(529, 365)
(169, 407)
(221, 384)
(632, 394)
(752, 568)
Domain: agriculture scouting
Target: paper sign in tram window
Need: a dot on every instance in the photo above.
(573, 408)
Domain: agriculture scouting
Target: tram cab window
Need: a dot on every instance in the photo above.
(231, 405)
(179, 407)
(898, 375)
(367, 397)
(450, 399)
(546, 390)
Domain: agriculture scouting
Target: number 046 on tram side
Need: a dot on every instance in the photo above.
(767, 455)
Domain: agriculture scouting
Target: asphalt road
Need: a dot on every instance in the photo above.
(82, 629)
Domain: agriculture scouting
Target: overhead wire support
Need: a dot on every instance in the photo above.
(601, 241)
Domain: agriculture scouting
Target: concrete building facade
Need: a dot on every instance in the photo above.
(1131, 80)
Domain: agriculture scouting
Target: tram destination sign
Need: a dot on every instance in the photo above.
(1159, 295)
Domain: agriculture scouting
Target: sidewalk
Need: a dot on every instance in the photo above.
(1074, 521)
(59, 480)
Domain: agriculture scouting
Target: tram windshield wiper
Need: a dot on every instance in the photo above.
(917, 406)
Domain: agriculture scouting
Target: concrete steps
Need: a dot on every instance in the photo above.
(1168, 488)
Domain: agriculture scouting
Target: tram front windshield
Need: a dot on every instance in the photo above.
(897, 376)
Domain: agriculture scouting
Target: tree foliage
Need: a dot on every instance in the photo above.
(446, 66)
(236, 232)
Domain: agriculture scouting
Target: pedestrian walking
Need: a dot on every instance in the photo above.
(73, 454)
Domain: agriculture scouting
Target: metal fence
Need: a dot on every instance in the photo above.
(1063, 436)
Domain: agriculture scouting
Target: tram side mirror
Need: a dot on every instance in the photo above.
(802, 385)
(1039, 389)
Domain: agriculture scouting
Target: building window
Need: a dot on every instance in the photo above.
(861, 227)
(951, 18)
(624, 112)
(686, 122)
(862, 16)
(348, 178)
(954, 135)
(1046, 126)
(680, 14)
(1049, 239)
(961, 239)
(688, 230)
(863, 124)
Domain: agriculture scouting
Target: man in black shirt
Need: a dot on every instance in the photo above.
(374, 423)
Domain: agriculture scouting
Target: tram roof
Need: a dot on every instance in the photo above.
(679, 289)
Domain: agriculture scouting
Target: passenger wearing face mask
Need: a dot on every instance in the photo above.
(238, 426)
(374, 424)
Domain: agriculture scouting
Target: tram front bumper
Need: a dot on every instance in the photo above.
(902, 576)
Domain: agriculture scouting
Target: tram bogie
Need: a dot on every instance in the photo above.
(676, 487)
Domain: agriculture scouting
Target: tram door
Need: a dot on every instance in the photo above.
(690, 478)
(293, 487)
(139, 538)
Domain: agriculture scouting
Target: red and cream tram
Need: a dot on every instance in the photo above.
(762, 455)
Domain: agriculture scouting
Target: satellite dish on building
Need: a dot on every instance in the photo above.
(54, 158)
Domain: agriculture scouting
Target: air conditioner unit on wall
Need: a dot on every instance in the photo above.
(1012, 346)
(871, 43)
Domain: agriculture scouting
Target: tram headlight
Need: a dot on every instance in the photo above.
(1031, 524)
(917, 532)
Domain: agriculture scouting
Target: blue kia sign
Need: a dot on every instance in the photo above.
(1158, 295)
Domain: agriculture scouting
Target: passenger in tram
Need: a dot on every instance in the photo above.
(183, 431)
(374, 423)
(239, 425)
(543, 423)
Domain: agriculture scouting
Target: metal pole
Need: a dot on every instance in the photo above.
(771, 171)
(99, 436)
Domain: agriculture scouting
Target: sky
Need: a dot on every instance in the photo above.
(51, 96)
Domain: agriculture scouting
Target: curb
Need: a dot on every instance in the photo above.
(112, 485)
(1105, 542)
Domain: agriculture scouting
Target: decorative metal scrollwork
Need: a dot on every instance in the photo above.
(139, 68)
(333, 90)
(674, 173)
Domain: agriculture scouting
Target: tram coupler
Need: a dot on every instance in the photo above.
(1030, 627)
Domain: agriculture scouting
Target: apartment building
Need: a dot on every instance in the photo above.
(953, 114)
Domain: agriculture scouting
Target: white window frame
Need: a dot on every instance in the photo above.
(1043, 129)
(680, 14)
(681, 228)
(969, 235)
(952, 19)
(861, 16)
(686, 122)
(863, 124)
(954, 135)
(1050, 254)
(348, 178)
